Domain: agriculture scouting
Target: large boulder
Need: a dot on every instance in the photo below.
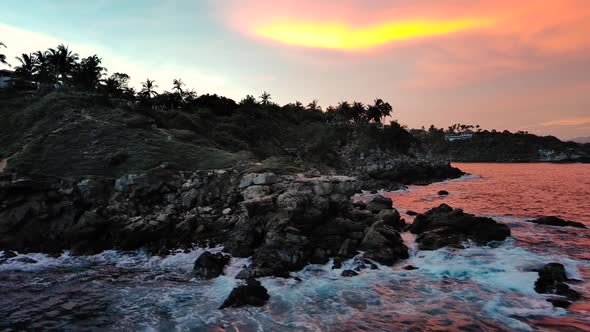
(250, 294)
(210, 265)
(444, 226)
(383, 244)
(551, 280)
(555, 221)
(378, 203)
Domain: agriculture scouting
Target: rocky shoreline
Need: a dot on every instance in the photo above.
(282, 222)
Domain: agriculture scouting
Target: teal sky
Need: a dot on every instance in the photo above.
(495, 71)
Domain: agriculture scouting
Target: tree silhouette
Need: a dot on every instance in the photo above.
(265, 98)
(148, 89)
(178, 84)
(63, 62)
(117, 84)
(313, 106)
(248, 100)
(379, 111)
(358, 112)
(3, 56)
(88, 73)
(27, 68)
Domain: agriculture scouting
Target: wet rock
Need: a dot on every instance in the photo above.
(8, 254)
(444, 226)
(551, 280)
(250, 294)
(210, 265)
(378, 203)
(391, 218)
(443, 193)
(382, 243)
(26, 260)
(410, 268)
(349, 273)
(555, 221)
(411, 213)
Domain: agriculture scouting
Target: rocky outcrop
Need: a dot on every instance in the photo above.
(283, 222)
(210, 265)
(555, 221)
(301, 220)
(444, 226)
(552, 278)
(250, 294)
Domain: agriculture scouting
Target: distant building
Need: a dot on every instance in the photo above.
(466, 135)
(6, 78)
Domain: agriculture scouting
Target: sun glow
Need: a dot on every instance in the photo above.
(346, 37)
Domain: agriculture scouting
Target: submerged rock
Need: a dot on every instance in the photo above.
(444, 226)
(443, 193)
(250, 294)
(551, 280)
(555, 221)
(210, 265)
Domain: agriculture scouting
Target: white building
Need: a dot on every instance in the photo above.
(459, 137)
(5, 78)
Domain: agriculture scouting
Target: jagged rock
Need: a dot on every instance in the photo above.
(264, 179)
(378, 203)
(349, 273)
(551, 280)
(391, 218)
(555, 221)
(383, 244)
(444, 226)
(250, 294)
(210, 265)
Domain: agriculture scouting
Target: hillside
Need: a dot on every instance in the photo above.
(494, 146)
(69, 133)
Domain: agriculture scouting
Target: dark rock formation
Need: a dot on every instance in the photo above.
(210, 265)
(410, 267)
(411, 213)
(250, 294)
(551, 280)
(349, 273)
(282, 222)
(378, 203)
(443, 193)
(444, 226)
(555, 221)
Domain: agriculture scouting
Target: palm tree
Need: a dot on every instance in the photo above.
(3, 56)
(313, 106)
(178, 86)
(148, 89)
(43, 68)
(357, 112)
(27, 68)
(88, 73)
(63, 62)
(265, 98)
(379, 111)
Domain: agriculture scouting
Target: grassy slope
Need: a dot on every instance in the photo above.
(67, 134)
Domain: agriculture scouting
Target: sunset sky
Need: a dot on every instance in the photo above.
(516, 65)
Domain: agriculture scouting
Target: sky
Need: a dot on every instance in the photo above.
(515, 65)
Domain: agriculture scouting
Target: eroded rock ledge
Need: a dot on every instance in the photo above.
(282, 222)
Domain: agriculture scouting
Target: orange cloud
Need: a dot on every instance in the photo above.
(344, 36)
(568, 122)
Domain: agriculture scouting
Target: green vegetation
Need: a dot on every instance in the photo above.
(77, 121)
(495, 146)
